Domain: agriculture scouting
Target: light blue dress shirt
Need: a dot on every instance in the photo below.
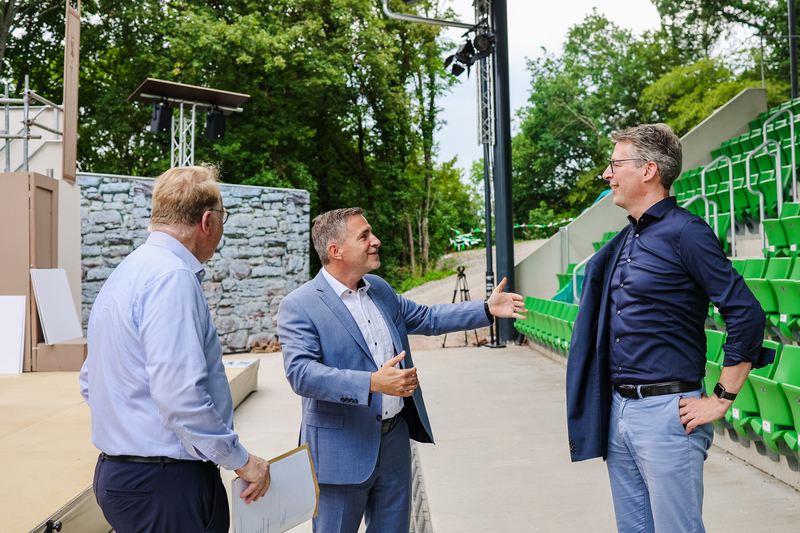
(154, 378)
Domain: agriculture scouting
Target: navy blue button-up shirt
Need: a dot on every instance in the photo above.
(671, 265)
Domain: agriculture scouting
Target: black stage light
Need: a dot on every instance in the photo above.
(161, 119)
(465, 52)
(484, 42)
(215, 125)
(457, 69)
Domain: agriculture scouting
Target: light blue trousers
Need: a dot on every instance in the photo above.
(383, 500)
(655, 468)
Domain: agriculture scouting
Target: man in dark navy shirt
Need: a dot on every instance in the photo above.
(651, 289)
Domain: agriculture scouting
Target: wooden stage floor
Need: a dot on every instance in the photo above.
(47, 458)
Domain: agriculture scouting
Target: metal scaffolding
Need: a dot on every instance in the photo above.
(28, 97)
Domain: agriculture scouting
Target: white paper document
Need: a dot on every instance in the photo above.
(12, 333)
(54, 302)
(292, 497)
(238, 363)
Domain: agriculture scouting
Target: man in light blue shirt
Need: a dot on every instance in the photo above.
(161, 406)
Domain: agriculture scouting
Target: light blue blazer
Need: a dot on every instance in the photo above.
(327, 363)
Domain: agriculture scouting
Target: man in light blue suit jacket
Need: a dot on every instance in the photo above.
(344, 337)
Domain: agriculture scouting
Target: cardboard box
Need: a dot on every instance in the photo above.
(67, 356)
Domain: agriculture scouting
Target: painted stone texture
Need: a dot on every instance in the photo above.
(262, 257)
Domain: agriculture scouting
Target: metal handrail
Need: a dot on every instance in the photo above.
(716, 207)
(575, 277)
(791, 135)
(778, 185)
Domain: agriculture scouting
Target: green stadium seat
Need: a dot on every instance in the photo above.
(775, 418)
(777, 268)
(714, 342)
(745, 407)
(791, 226)
(787, 293)
(792, 393)
(777, 245)
(754, 268)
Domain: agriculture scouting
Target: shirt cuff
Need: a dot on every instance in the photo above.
(237, 459)
(488, 314)
(735, 354)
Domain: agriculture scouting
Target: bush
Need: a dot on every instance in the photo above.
(433, 275)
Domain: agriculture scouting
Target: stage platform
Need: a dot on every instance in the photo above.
(47, 458)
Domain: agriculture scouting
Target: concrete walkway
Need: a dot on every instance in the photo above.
(501, 460)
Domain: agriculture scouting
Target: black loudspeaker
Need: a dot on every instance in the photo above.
(161, 119)
(215, 126)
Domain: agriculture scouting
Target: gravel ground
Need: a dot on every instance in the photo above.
(441, 291)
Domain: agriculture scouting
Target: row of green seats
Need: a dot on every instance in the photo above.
(775, 282)
(564, 279)
(792, 105)
(777, 289)
(607, 236)
(746, 204)
(767, 409)
(549, 323)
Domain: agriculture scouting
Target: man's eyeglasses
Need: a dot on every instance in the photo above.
(228, 213)
(612, 161)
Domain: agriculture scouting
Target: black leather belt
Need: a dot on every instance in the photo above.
(656, 389)
(146, 460)
(387, 425)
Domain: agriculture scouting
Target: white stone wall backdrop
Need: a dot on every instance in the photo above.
(262, 257)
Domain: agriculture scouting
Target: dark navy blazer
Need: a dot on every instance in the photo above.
(588, 381)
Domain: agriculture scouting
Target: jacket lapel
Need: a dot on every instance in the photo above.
(340, 311)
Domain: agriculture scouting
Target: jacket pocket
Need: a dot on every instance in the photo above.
(324, 420)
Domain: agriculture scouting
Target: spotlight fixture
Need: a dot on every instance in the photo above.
(484, 44)
(470, 52)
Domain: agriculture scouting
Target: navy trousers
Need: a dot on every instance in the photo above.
(187, 496)
(383, 500)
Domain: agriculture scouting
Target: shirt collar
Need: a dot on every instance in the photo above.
(163, 240)
(338, 287)
(657, 210)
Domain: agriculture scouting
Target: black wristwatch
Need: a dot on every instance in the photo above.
(720, 391)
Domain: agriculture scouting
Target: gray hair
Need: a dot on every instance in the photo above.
(331, 227)
(657, 143)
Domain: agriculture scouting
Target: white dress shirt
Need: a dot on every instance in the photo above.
(374, 330)
(154, 379)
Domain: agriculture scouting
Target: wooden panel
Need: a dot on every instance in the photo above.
(43, 214)
(15, 245)
(71, 69)
(44, 243)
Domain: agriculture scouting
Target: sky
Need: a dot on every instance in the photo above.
(531, 26)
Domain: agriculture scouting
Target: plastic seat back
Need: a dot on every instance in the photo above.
(754, 268)
(773, 407)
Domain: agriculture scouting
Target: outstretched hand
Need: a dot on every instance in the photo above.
(506, 304)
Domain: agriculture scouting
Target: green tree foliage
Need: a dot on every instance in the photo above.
(577, 99)
(685, 96)
(606, 79)
(343, 103)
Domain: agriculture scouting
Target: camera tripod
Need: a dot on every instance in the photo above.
(463, 289)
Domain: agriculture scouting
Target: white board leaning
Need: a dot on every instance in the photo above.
(12, 333)
(54, 303)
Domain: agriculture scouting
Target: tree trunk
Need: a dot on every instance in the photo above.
(9, 11)
(411, 245)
